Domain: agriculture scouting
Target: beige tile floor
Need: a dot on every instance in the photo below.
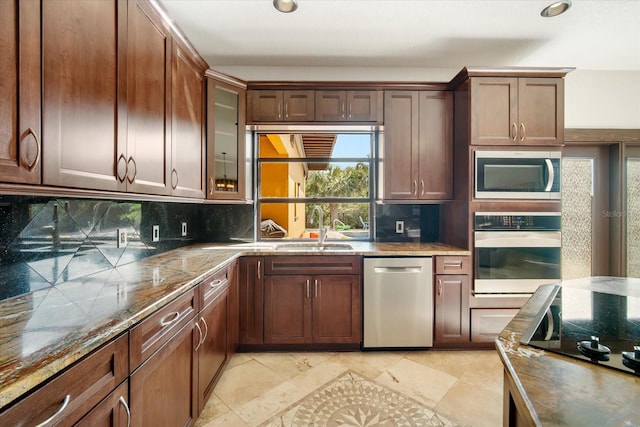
(465, 386)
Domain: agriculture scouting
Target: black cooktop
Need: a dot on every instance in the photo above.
(598, 327)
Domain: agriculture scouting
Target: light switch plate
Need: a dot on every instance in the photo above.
(399, 227)
(122, 238)
(155, 235)
(184, 229)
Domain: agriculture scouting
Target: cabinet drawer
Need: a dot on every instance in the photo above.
(76, 391)
(153, 332)
(487, 323)
(213, 285)
(310, 264)
(453, 264)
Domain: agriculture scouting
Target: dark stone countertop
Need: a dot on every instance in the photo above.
(44, 332)
(563, 391)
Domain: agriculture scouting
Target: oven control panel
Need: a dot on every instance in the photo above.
(517, 221)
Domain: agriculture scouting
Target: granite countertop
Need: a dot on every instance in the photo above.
(562, 391)
(43, 332)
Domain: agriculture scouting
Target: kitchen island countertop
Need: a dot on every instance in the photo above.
(46, 331)
(548, 389)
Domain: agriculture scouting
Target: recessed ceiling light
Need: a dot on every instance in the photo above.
(555, 9)
(285, 6)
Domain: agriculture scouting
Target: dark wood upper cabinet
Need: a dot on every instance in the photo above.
(187, 126)
(82, 125)
(515, 111)
(418, 145)
(350, 106)
(400, 160)
(20, 132)
(144, 160)
(226, 157)
(281, 105)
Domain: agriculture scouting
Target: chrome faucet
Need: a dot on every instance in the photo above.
(322, 231)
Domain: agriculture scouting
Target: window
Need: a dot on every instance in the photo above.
(298, 171)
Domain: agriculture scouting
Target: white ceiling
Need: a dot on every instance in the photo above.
(438, 34)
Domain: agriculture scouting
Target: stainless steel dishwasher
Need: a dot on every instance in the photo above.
(398, 302)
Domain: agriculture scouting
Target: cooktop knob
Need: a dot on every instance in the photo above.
(631, 359)
(594, 350)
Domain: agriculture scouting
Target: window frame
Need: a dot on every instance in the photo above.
(373, 132)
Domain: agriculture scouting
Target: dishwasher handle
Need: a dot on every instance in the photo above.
(408, 269)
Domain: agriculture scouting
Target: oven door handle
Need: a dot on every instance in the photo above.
(517, 239)
(552, 175)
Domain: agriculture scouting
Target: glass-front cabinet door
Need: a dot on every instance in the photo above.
(225, 141)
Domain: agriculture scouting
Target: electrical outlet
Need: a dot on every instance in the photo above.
(400, 227)
(122, 238)
(155, 235)
(184, 229)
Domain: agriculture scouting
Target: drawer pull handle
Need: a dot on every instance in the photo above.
(170, 318)
(62, 407)
(216, 283)
(457, 264)
(199, 334)
(126, 409)
(206, 329)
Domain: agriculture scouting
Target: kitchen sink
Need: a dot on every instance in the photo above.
(308, 246)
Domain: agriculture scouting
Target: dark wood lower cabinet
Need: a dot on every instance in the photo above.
(451, 309)
(164, 388)
(312, 309)
(212, 350)
(250, 300)
(113, 411)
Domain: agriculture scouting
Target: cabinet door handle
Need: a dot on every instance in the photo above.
(259, 265)
(121, 179)
(350, 108)
(62, 407)
(286, 110)
(439, 287)
(524, 132)
(342, 111)
(174, 172)
(169, 319)
(135, 169)
(126, 409)
(308, 290)
(415, 187)
(422, 187)
(206, 329)
(279, 110)
(514, 128)
(35, 161)
(199, 334)
(316, 284)
(211, 185)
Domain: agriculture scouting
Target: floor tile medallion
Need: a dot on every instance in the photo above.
(352, 400)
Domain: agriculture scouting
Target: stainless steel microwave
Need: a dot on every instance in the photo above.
(517, 174)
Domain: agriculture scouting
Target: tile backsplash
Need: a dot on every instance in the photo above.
(47, 241)
(421, 223)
